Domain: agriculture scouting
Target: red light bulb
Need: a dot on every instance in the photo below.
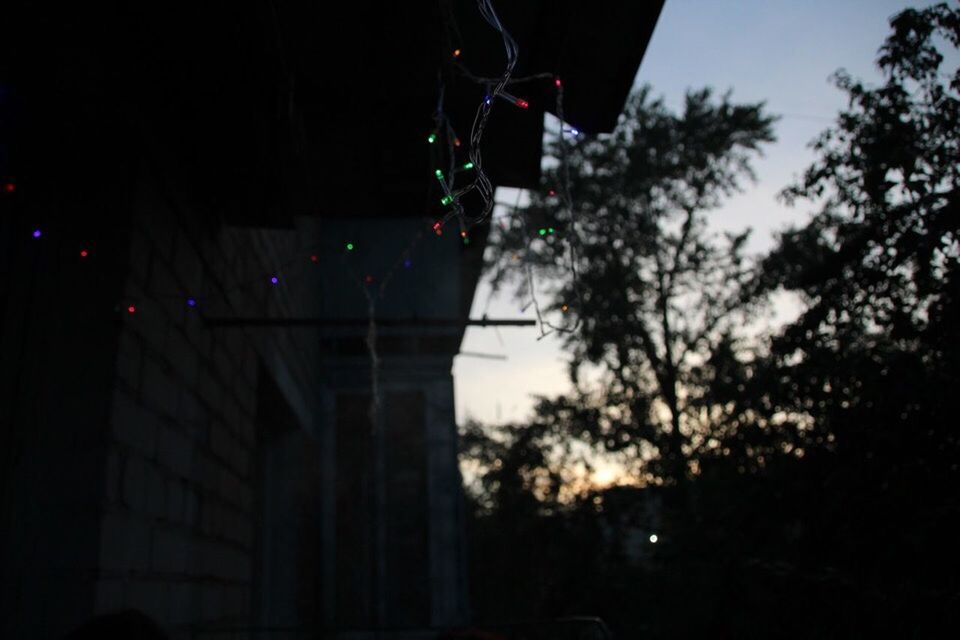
(131, 309)
(84, 253)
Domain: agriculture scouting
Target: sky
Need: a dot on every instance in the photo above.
(778, 51)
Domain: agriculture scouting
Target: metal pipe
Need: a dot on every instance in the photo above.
(358, 322)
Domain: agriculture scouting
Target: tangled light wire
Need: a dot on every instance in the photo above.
(564, 191)
(481, 183)
(372, 297)
(567, 198)
(494, 89)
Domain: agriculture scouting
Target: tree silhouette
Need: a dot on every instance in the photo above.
(656, 294)
(872, 362)
(809, 481)
(877, 266)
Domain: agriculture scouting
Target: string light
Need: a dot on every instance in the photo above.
(481, 183)
(566, 202)
(372, 296)
(84, 252)
(512, 99)
(448, 198)
(494, 87)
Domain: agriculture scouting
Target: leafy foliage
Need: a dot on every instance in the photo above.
(808, 486)
(874, 356)
(656, 294)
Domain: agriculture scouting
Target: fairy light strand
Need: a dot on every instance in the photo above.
(573, 234)
(569, 239)
(495, 88)
(481, 182)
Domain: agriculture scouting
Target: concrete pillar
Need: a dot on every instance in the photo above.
(397, 552)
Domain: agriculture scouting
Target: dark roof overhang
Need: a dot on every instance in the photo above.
(274, 109)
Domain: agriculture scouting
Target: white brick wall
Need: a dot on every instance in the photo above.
(177, 534)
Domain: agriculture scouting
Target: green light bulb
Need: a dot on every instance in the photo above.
(447, 199)
(467, 166)
(549, 229)
(439, 174)
(349, 246)
(432, 138)
(542, 232)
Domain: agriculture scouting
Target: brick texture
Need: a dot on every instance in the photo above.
(178, 524)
